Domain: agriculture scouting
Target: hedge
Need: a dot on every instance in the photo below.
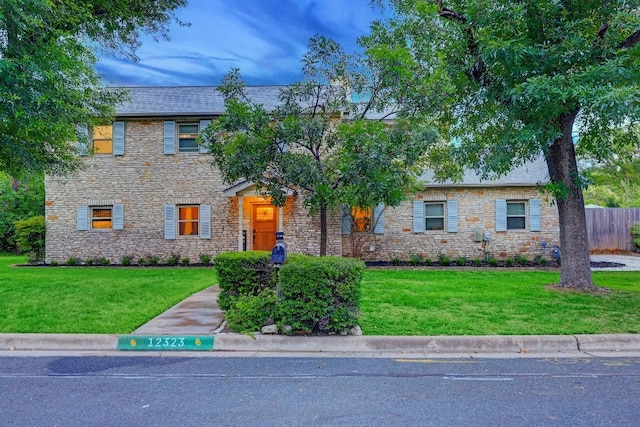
(243, 273)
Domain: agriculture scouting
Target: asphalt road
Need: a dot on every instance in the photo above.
(179, 391)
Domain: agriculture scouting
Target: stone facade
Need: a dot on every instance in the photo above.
(144, 180)
(476, 211)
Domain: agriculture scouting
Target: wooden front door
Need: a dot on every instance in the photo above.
(264, 227)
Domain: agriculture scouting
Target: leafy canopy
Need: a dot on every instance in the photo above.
(48, 85)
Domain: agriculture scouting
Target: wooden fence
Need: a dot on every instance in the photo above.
(609, 229)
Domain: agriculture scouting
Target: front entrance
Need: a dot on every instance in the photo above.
(265, 223)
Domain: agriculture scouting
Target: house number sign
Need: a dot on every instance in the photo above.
(165, 343)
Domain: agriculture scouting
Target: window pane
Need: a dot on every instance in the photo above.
(103, 139)
(516, 209)
(102, 132)
(188, 128)
(188, 145)
(434, 209)
(101, 218)
(435, 224)
(361, 219)
(188, 220)
(515, 223)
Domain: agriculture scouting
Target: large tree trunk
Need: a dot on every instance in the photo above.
(323, 229)
(575, 272)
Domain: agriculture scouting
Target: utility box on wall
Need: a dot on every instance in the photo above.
(478, 234)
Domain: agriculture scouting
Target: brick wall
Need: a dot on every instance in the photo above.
(476, 210)
(144, 180)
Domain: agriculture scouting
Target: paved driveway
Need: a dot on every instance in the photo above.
(631, 262)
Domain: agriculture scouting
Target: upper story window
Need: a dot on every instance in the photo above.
(516, 216)
(103, 139)
(187, 134)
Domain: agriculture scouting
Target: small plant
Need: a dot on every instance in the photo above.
(509, 262)
(428, 261)
(416, 259)
(174, 259)
(492, 261)
(184, 261)
(521, 259)
(126, 260)
(30, 236)
(395, 261)
(540, 260)
(72, 261)
(461, 261)
(477, 262)
(142, 261)
(53, 263)
(89, 261)
(104, 262)
(153, 260)
(444, 259)
(205, 259)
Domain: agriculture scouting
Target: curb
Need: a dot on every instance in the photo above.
(349, 344)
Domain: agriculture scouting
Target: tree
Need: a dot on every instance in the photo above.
(512, 80)
(19, 200)
(48, 85)
(317, 142)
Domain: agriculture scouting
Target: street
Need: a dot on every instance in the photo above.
(185, 391)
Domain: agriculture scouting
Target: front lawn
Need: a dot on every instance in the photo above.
(393, 301)
(90, 299)
(494, 302)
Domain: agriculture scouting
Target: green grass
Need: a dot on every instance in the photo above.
(478, 302)
(90, 299)
(394, 302)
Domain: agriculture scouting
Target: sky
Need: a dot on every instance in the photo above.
(265, 39)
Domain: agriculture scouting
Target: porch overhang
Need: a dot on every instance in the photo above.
(248, 188)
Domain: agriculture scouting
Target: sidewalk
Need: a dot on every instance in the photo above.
(199, 315)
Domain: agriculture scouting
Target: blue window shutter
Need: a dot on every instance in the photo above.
(534, 215)
(118, 217)
(169, 222)
(205, 222)
(378, 219)
(418, 216)
(169, 137)
(203, 126)
(82, 219)
(501, 215)
(345, 212)
(118, 138)
(452, 216)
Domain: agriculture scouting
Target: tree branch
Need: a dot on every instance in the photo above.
(631, 41)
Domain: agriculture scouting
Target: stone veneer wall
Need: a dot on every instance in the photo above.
(144, 180)
(476, 209)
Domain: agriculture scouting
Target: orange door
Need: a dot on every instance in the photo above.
(264, 227)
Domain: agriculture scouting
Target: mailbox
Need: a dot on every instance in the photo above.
(279, 251)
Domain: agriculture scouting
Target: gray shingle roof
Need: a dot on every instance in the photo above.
(168, 101)
(530, 173)
(206, 101)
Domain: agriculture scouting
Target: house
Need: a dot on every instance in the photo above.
(150, 191)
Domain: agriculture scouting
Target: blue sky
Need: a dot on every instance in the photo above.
(265, 39)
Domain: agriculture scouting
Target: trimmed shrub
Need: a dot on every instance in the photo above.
(29, 235)
(243, 273)
(249, 313)
(319, 294)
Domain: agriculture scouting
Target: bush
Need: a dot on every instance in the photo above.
(243, 273)
(635, 232)
(492, 261)
(126, 260)
(444, 259)
(249, 313)
(461, 261)
(521, 259)
(319, 294)
(416, 259)
(174, 259)
(104, 262)
(205, 259)
(72, 261)
(395, 261)
(509, 262)
(30, 235)
(185, 261)
(153, 260)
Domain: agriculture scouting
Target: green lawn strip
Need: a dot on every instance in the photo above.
(485, 302)
(90, 299)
